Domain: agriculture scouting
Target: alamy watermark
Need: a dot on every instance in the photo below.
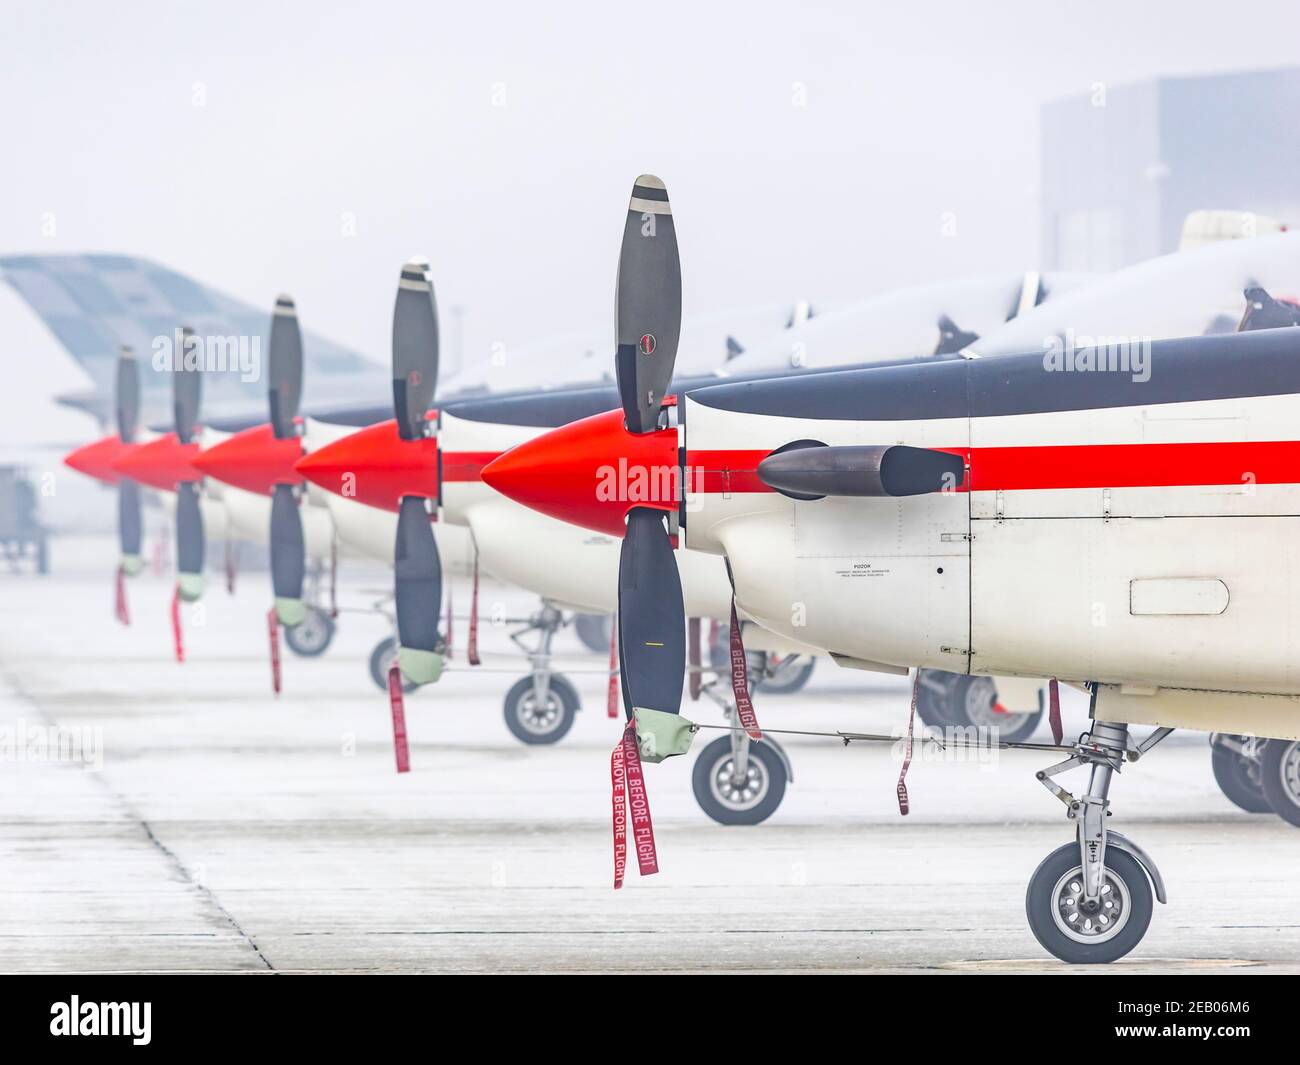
(24, 742)
(210, 354)
(1102, 354)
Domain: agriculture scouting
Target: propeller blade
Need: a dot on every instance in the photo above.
(415, 349)
(189, 540)
(284, 369)
(129, 524)
(417, 574)
(648, 304)
(288, 556)
(128, 395)
(651, 615)
(187, 388)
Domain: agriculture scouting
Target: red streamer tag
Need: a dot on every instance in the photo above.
(611, 707)
(618, 782)
(120, 607)
(471, 647)
(1054, 709)
(740, 681)
(903, 804)
(400, 749)
(631, 809)
(176, 624)
(273, 631)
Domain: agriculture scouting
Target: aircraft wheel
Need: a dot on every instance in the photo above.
(593, 631)
(381, 661)
(1239, 778)
(1079, 934)
(1280, 776)
(789, 676)
(534, 722)
(959, 700)
(311, 636)
(732, 802)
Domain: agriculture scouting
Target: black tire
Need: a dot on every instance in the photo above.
(958, 700)
(593, 631)
(1238, 778)
(312, 636)
(381, 660)
(1280, 777)
(766, 777)
(1052, 881)
(548, 726)
(790, 675)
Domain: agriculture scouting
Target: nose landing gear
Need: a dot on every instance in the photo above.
(1090, 901)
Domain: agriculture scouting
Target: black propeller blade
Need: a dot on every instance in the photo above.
(284, 369)
(189, 540)
(417, 569)
(648, 303)
(284, 391)
(288, 556)
(129, 520)
(187, 391)
(415, 349)
(651, 615)
(417, 576)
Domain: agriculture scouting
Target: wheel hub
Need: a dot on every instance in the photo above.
(1087, 921)
(1290, 770)
(539, 718)
(739, 793)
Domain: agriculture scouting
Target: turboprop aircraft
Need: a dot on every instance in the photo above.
(1140, 521)
(440, 462)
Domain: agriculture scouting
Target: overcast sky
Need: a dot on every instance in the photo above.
(811, 150)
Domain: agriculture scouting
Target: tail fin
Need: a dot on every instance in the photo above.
(95, 304)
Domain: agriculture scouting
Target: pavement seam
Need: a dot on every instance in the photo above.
(206, 893)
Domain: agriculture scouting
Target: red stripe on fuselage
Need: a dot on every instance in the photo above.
(1059, 466)
(462, 466)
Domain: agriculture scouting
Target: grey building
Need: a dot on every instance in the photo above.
(1122, 166)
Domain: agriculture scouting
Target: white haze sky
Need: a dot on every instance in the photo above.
(386, 110)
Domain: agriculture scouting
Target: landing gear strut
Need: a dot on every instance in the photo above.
(1090, 901)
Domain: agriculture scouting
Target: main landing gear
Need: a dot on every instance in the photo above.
(1237, 770)
(957, 700)
(540, 708)
(1091, 900)
(1261, 776)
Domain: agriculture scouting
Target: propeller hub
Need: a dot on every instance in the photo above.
(163, 463)
(375, 466)
(255, 460)
(97, 459)
(591, 472)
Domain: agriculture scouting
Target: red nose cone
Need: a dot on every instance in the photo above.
(162, 463)
(255, 460)
(591, 472)
(96, 460)
(375, 466)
